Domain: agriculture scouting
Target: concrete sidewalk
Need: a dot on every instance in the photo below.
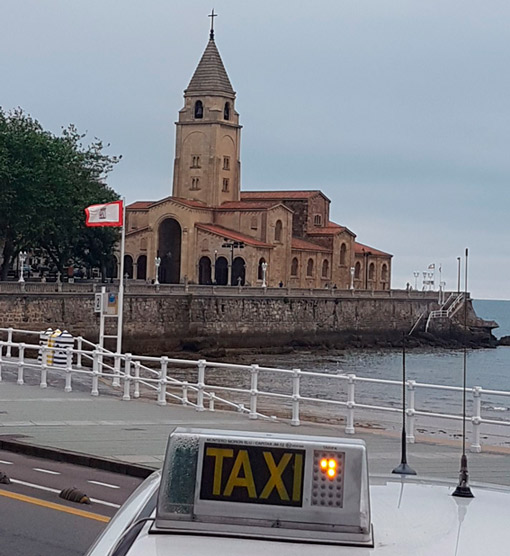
(136, 432)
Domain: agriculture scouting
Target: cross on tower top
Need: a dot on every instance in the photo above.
(212, 15)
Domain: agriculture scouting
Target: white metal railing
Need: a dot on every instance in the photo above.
(251, 389)
(447, 310)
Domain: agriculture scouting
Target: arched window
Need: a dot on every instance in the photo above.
(343, 253)
(371, 271)
(199, 109)
(141, 267)
(294, 267)
(278, 231)
(226, 111)
(325, 268)
(384, 273)
(357, 271)
(260, 273)
(309, 268)
(317, 220)
(128, 266)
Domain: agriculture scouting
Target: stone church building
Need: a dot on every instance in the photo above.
(210, 232)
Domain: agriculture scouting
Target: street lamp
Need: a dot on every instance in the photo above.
(157, 262)
(352, 278)
(416, 274)
(232, 245)
(22, 259)
(458, 275)
(264, 270)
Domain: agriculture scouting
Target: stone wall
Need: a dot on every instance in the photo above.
(224, 316)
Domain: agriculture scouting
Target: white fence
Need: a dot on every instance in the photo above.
(259, 392)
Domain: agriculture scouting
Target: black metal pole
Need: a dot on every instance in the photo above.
(403, 468)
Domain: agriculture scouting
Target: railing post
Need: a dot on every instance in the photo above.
(116, 370)
(9, 342)
(200, 385)
(184, 393)
(162, 381)
(44, 367)
(69, 367)
(96, 362)
(296, 377)
(1, 359)
(349, 425)
(476, 420)
(136, 393)
(79, 346)
(212, 397)
(254, 370)
(410, 411)
(127, 377)
(21, 357)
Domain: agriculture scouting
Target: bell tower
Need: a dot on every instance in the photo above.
(207, 164)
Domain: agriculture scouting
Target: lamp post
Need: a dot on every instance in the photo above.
(458, 275)
(351, 287)
(416, 274)
(231, 245)
(264, 270)
(424, 279)
(157, 262)
(22, 259)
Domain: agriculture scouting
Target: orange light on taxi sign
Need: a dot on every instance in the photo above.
(329, 466)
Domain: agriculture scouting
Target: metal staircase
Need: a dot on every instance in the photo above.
(447, 310)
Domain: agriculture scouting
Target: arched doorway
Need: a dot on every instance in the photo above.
(238, 272)
(204, 271)
(169, 250)
(128, 266)
(221, 271)
(141, 267)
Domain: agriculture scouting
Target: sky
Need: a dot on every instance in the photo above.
(397, 110)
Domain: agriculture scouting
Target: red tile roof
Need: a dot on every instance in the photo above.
(281, 195)
(360, 248)
(140, 205)
(231, 234)
(303, 245)
(243, 205)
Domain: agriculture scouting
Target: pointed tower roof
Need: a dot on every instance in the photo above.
(210, 75)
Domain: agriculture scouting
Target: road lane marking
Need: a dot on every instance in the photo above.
(6, 462)
(47, 471)
(53, 506)
(55, 490)
(103, 484)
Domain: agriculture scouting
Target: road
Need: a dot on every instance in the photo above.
(35, 520)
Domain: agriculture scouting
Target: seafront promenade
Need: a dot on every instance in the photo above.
(136, 432)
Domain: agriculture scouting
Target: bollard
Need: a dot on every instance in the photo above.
(95, 374)
(351, 404)
(79, 347)
(162, 381)
(254, 370)
(476, 420)
(127, 377)
(212, 397)
(44, 367)
(21, 357)
(200, 385)
(116, 371)
(410, 411)
(295, 397)
(136, 393)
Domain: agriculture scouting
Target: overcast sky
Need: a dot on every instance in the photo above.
(398, 110)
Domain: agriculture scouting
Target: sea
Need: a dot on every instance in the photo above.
(488, 368)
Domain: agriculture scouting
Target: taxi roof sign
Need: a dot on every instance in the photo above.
(280, 486)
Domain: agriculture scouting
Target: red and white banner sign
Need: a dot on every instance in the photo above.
(108, 214)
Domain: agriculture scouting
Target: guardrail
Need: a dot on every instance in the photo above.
(251, 389)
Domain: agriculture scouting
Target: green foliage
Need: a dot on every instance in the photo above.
(46, 181)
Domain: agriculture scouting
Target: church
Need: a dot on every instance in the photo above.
(210, 232)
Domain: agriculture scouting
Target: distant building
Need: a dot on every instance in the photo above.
(210, 232)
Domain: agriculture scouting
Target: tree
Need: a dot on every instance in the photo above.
(46, 181)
